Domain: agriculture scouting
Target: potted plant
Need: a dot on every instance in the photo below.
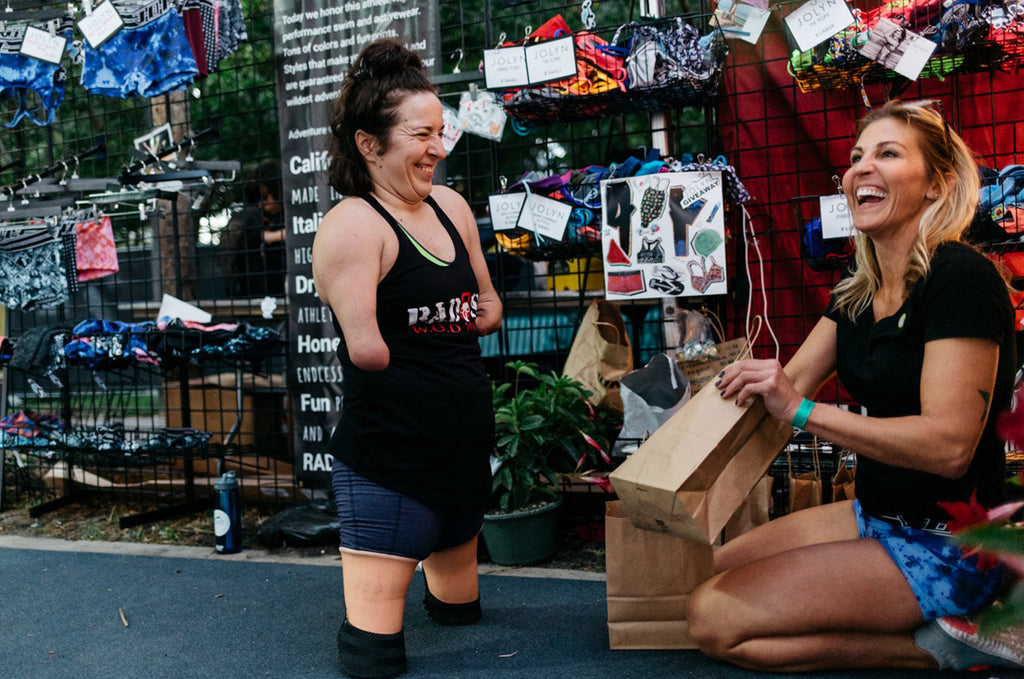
(545, 430)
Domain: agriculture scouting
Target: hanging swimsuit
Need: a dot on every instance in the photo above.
(95, 250)
(229, 32)
(35, 278)
(147, 57)
(36, 87)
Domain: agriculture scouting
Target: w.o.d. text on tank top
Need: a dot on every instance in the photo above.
(424, 426)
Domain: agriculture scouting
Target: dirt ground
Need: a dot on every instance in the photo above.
(581, 548)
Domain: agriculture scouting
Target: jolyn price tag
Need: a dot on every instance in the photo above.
(101, 24)
(505, 209)
(40, 44)
(836, 221)
(814, 22)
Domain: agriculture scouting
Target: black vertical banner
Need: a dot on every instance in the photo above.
(315, 41)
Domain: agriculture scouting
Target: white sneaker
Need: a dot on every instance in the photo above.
(1005, 647)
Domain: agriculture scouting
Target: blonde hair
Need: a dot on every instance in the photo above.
(951, 164)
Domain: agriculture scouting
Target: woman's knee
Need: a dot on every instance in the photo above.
(706, 621)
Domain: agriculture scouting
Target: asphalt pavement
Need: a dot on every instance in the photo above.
(84, 610)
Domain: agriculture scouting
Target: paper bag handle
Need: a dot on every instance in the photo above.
(715, 322)
(746, 353)
(844, 456)
(814, 458)
(614, 327)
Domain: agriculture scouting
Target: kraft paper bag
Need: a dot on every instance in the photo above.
(804, 489)
(650, 577)
(844, 482)
(755, 510)
(694, 472)
(701, 371)
(601, 354)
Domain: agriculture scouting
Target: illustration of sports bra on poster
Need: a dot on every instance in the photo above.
(651, 251)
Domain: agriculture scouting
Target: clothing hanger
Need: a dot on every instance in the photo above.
(98, 150)
(38, 210)
(144, 159)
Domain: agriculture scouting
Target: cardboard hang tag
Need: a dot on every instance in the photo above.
(548, 217)
(505, 67)
(42, 45)
(836, 220)
(101, 24)
(505, 210)
(814, 22)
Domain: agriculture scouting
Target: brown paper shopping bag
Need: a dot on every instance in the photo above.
(844, 482)
(755, 510)
(692, 474)
(804, 489)
(650, 577)
(701, 371)
(601, 354)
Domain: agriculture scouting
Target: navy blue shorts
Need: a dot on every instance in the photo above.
(375, 519)
(943, 582)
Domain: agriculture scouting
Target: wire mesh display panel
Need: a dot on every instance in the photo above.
(784, 122)
(84, 170)
(546, 287)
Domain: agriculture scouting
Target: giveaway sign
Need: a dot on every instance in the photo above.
(663, 235)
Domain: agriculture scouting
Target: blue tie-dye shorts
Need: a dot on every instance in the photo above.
(943, 582)
(147, 60)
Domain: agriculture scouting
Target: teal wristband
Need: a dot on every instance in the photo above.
(802, 413)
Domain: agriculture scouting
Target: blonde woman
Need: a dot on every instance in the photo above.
(922, 335)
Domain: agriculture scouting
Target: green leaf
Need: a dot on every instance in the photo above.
(994, 538)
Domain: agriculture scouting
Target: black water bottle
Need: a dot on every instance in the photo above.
(227, 517)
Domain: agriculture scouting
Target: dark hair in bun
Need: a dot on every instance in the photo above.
(380, 78)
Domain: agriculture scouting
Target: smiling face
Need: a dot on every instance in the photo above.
(406, 168)
(888, 184)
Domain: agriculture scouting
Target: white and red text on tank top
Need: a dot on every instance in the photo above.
(458, 314)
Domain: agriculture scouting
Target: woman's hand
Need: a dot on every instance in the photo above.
(745, 379)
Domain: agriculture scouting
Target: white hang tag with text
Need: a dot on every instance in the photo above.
(505, 209)
(549, 216)
(101, 24)
(836, 221)
(551, 60)
(39, 44)
(505, 67)
(814, 22)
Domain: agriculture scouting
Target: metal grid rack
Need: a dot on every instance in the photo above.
(785, 139)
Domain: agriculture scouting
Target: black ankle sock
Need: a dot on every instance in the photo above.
(367, 655)
(452, 615)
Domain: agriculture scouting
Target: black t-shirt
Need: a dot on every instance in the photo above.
(424, 426)
(880, 365)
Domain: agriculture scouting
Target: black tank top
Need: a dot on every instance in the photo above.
(424, 426)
